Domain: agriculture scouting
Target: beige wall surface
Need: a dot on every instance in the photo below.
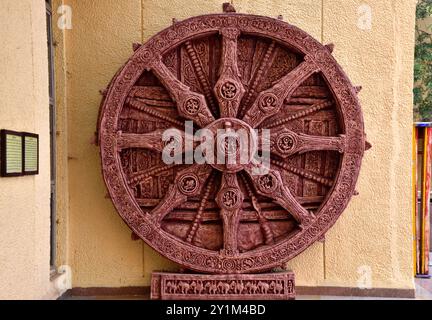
(25, 201)
(369, 246)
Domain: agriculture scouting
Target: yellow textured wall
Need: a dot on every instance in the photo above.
(25, 201)
(374, 232)
(101, 252)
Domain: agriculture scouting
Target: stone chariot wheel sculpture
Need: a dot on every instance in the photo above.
(232, 71)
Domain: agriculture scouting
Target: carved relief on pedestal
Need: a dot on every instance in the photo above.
(277, 286)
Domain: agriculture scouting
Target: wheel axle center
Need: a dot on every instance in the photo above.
(235, 144)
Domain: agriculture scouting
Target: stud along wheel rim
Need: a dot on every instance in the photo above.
(254, 72)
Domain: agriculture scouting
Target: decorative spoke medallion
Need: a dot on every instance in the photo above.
(232, 72)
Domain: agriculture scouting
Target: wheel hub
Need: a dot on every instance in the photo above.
(235, 142)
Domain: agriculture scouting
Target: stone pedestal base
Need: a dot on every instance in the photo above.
(179, 286)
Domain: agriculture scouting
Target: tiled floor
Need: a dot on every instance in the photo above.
(423, 292)
(424, 289)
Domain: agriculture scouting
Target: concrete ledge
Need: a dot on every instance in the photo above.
(356, 292)
(300, 290)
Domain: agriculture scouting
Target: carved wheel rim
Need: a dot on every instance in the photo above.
(228, 95)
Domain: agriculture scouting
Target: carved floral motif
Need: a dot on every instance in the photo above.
(192, 106)
(229, 90)
(188, 184)
(268, 102)
(230, 198)
(267, 183)
(285, 142)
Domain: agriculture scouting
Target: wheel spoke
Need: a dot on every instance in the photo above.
(152, 96)
(286, 143)
(229, 89)
(188, 183)
(269, 102)
(154, 140)
(301, 114)
(230, 200)
(191, 105)
(140, 176)
(304, 173)
(142, 106)
(202, 78)
(261, 71)
(200, 212)
(151, 141)
(271, 186)
(266, 230)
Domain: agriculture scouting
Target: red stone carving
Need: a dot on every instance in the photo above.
(231, 71)
(274, 286)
